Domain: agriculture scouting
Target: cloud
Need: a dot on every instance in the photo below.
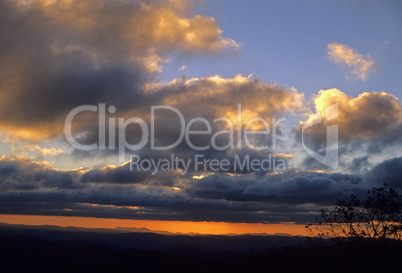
(64, 54)
(369, 116)
(25, 174)
(388, 171)
(29, 187)
(124, 175)
(57, 55)
(43, 151)
(222, 95)
(369, 129)
(190, 97)
(291, 188)
(361, 66)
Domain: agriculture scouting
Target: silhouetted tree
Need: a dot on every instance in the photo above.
(379, 217)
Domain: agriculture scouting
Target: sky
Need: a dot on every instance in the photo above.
(221, 112)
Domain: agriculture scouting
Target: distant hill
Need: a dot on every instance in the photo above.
(146, 240)
(71, 250)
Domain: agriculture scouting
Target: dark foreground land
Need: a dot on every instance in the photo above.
(53, 249)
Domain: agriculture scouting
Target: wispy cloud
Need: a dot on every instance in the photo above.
(359, 64)
(43, 151)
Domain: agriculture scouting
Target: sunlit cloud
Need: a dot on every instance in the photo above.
(87, 56)
(43, 151)
(370, 115)
(360, 65)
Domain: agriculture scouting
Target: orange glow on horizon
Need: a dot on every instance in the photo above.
(214, 228)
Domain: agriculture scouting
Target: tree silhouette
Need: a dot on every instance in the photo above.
(379, 217)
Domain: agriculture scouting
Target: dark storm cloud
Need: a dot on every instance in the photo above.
(153, 207)
(294, 188)
(388, 171)
(33, 188)
(360, 164)
(392, 137)
(26, 175)
(123, 175)
(354, 157)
